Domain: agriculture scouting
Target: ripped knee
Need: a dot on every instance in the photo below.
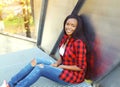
(33, 62)
(41, 65)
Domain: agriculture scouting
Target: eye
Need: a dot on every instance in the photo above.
(67, 23)
(73, 25)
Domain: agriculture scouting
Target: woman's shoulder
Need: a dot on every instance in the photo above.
(78, 42)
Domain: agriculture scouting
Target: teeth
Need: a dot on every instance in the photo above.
(69, 31)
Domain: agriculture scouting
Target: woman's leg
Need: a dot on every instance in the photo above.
(30, 78)
(44, 61)
(47, 71)
(27, 69)
(53, 73)
(20, 75)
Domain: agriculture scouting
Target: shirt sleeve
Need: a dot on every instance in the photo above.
(80, 51)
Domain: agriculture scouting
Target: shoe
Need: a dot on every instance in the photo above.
(4, 84)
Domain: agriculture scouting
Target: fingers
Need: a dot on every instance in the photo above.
(54, 65)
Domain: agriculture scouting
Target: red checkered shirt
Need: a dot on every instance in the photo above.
(75, 54)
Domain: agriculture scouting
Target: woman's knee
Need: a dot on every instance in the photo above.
(34, 62)
(41, 65)
(37, 61)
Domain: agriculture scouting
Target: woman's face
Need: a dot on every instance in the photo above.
(70, 26)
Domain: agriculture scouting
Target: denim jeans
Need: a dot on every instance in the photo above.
(29, 75)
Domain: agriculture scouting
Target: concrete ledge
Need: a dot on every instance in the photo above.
(12, 43)
(19, 37)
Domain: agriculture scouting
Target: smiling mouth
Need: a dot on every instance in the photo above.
(68, 30)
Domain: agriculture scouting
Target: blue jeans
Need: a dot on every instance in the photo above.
(29, 75)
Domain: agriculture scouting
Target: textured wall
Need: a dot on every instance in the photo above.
(104, 15)
(56, 13)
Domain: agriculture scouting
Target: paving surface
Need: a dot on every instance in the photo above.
(112, 79)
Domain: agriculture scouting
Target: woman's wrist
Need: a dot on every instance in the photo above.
(54, 65)
(57, 64)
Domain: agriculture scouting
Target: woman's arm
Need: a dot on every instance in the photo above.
(70, 67)
(80, 57)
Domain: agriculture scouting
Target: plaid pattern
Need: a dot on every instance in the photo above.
(75, 54)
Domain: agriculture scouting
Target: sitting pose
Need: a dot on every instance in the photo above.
(69, 69)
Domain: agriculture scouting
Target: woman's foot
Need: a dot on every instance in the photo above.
(4, 84)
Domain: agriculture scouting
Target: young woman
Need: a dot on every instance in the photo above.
(70, 67)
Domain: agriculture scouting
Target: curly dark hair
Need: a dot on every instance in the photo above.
(78, 33)
(84, 30)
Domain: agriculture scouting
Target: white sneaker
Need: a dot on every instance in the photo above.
(4, 84)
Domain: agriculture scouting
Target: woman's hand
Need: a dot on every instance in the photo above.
(61, 66)
(54, 64)
(70, 67)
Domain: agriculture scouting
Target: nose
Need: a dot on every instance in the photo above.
(69, 26)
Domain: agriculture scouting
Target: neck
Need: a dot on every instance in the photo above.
(67, 41)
